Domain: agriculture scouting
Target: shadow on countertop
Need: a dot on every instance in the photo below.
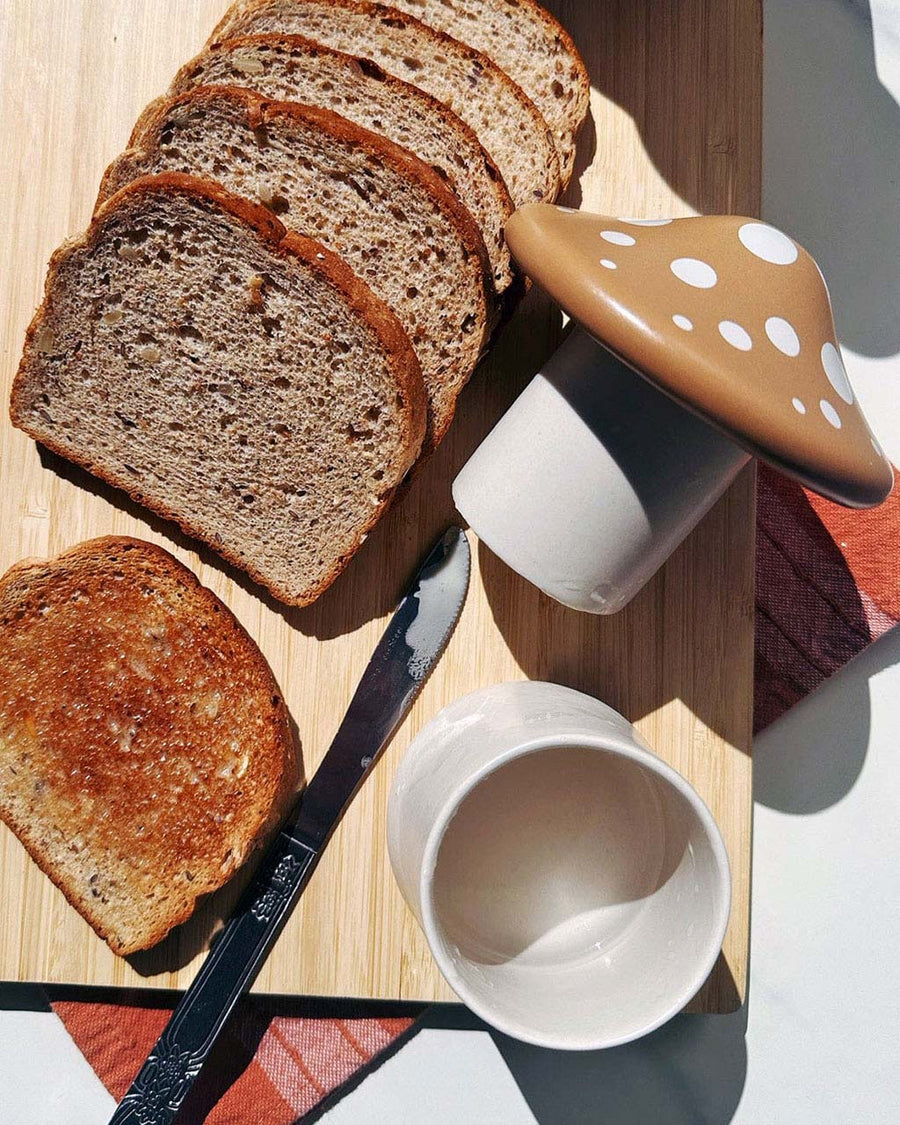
(689, 1072)
(810, 759)
(831, 159)
(686, 73)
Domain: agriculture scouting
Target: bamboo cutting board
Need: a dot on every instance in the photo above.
(676, 128)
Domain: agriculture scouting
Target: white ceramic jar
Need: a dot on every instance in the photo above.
(592, 478)
(573, 888)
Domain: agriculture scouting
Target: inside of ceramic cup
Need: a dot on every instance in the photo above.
(577, 898)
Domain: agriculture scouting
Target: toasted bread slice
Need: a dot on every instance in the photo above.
(228, 374)
(144, 745)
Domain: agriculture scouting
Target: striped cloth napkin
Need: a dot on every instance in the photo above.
(828, 583)
(267, 1069)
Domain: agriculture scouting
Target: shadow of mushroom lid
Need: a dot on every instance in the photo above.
(727, 315)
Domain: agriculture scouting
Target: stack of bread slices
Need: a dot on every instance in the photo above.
(296, 265)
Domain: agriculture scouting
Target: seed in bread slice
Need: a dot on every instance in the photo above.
(386, 213)
(227, 374)
(533, 48)
(504, 119)
(291, 68)
(144, 745)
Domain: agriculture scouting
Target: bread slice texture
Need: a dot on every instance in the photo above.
(291, 68)
(227, 374)
(506, 121)
(390, 217)
(534, 49)
(145, 749)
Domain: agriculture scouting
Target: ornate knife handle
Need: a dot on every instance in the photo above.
(165, 1079)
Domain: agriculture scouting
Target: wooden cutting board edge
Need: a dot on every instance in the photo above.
(74, 75)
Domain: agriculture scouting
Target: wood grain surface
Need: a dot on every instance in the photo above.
(676, 128)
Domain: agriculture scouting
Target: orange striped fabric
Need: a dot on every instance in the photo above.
(266, 1069)
(827, 585)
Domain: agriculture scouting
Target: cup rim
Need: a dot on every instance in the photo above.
(610, 744)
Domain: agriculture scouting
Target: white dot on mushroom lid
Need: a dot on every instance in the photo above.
(683, 322)
(830, 413)
(735, 335)
(836, 372)
(617, 237)
(799, 405)
(768, 243)
(782, 336)
(646, 222)
(607, 264)
(694, 272)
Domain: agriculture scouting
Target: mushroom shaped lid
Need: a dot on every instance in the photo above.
(727, 315)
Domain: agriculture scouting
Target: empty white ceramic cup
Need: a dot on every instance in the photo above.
(592, 478)
(573, 888)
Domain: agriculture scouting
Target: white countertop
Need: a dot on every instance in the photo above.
(818, 1041)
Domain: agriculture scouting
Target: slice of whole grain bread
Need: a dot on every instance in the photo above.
(291, 68)
(505, 120)
(144, 745)
(227, 374)
(391, 217)
(533, 48)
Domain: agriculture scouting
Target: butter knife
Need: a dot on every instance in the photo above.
(409, 649)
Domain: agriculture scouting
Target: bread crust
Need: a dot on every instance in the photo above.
(554, 30)
(262, 112)
(583, 89)
(238, 20)
(360, 299)
(404, 90)
(452, 126)
(282, 759)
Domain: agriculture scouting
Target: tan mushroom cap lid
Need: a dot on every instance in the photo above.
(727, 315)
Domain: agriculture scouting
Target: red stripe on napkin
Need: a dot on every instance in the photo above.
(285, 1065)
(827, 585)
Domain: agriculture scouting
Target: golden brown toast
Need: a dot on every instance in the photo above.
(144, 744)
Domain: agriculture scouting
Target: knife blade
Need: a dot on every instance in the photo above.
(410, 647)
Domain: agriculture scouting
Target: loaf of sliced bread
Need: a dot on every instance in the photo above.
(391, 217)
(228, 374)
(505, 120)
(533, 48)
(291, 68)
(144, 746)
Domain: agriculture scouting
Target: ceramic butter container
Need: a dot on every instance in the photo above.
(592, 479)
(702, 342)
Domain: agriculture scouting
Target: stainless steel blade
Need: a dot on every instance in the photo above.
(408, 650)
